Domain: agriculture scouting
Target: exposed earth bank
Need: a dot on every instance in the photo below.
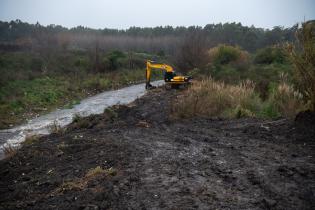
(137, 157)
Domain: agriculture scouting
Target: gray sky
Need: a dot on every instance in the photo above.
(125, 13)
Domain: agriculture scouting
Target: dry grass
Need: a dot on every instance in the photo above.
(56, 128)
(303, 58)
(81, 183)
(9, 151)
(95, 172)
(287, 101)
(211, 98)
(30, 139)
(81, 122)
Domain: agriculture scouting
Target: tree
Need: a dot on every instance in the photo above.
(192, 51)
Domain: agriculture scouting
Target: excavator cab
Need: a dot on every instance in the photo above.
(170, 76)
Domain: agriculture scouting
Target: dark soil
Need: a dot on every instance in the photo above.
(159, 163)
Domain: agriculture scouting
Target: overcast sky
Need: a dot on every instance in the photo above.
(125, 13)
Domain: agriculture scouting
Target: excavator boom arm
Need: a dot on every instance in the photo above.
(169, 76)
(153, 65)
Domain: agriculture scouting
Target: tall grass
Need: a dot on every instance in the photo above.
(303, 58)
(286, 100)
(9, 151)
(211, 98)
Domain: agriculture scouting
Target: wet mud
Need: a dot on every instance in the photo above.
(151, 161)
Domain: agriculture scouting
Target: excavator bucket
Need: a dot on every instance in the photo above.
(148, 86)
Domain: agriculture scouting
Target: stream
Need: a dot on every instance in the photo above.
(62, 117)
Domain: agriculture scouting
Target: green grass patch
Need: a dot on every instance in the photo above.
(46, 93)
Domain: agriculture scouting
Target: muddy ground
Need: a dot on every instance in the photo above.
(148, 161)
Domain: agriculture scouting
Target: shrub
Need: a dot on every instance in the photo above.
(226, 73)
(270, 55)
(225, 54)
(228, 63)
(114, 58)
(211, 98)
(196, 73)
(304, 61)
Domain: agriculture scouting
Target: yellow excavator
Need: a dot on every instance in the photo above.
(170, 76)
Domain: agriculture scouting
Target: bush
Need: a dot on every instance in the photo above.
(114, 59)
(226, 73)
(270, 55)
(304, 61)
(228, 63)
(225, 54)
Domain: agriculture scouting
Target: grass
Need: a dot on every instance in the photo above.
(72, 103)
(77, 118)
(22, 99)
(111, 113)
(287, 101)
(80, 122)
(210, 98)
(30, 139)
(56, 128)
(303, 59)
(9, 151)
(33, 83)
(81, 183)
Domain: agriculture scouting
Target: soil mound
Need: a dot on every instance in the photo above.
(306, 119)
(305, 124)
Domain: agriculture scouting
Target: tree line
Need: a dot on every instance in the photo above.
(17, 35)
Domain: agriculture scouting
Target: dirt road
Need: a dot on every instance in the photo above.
(153, 162)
